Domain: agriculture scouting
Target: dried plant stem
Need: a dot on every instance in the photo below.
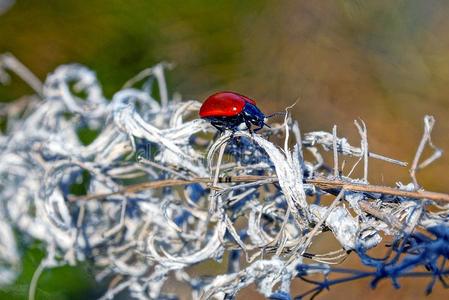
(8, 61)
(33, 285)
(429, 122)
(322, 183)
(369, 188)
(388, 219)
(364, 138)
(216, 177)
(141, 236)
(335, 150)
(314, 231)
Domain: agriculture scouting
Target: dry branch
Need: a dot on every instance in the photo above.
(322, 183)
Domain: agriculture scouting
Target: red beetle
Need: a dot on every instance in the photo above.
(227, 110)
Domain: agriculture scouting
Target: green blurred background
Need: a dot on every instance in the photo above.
(386, 62)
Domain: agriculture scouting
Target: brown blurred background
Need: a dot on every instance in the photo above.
(386, 62)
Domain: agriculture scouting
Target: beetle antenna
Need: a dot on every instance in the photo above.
(282, 113)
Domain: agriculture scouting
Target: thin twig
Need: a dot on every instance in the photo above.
(33, 285)
(429, 122)
(368, 188)
(334, 133)
(387, 159)
(10, 62)
(213, 203)
(145, 161)
(364, 146)
(322, 183)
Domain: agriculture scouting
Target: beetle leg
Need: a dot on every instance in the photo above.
(248, 125)
(218, 128)
(262, 126)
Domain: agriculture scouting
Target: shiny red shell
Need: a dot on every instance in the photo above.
(224, 104)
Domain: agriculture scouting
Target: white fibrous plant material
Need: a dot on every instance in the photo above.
(160, 192)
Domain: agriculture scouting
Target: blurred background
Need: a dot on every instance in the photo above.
(385, 62)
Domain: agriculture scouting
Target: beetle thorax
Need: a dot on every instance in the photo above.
(253, 115)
